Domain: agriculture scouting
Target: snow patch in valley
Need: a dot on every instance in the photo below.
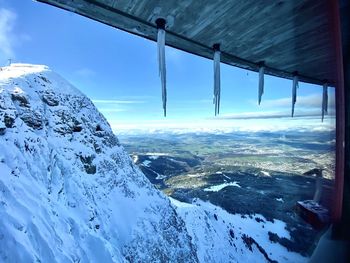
(217, 188)
(195, 175)
(157, 154)
(146, 163)
(226, 176)
(265, 173)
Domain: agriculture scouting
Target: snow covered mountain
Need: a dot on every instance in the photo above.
(70, 193)
(219, 236)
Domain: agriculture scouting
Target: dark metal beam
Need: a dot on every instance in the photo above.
(340, 116)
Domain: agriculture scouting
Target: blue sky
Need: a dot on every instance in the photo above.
(119, 72)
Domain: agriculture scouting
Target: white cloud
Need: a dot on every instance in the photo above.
(254, 115)
(98, 101)
(7, 38)
(111, 106)
(310, 101)
(108, 111)
(225, 125)
(273, 114)
(85, 72)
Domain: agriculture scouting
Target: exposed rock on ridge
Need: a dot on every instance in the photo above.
(68, 191)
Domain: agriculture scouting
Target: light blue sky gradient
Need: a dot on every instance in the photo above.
(119, 72)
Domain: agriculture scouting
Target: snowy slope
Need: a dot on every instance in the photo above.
(68, 191)
(222, 237)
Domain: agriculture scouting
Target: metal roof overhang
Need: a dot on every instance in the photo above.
(288, 36)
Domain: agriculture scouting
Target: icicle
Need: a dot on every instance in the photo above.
(261, 83)
(294, 92)
(161, 59)
(324, 100)
(217, 90)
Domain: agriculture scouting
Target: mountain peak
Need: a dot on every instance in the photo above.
(19, 69)
(20, 74)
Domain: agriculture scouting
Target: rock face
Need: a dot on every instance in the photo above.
(68, 191)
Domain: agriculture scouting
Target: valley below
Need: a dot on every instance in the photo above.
(243, 173)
